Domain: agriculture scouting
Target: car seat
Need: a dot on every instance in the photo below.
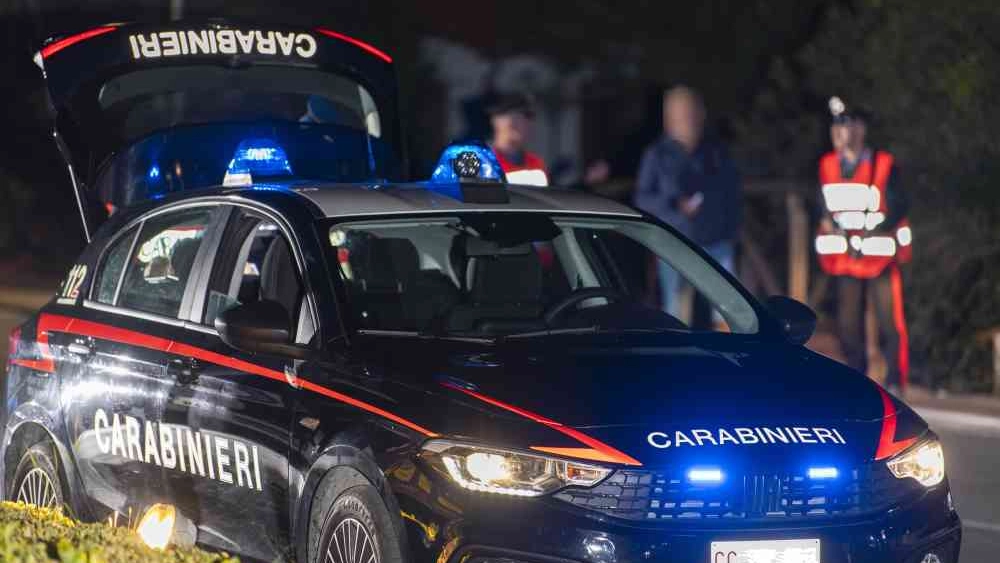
(279, 280)
(504, 290)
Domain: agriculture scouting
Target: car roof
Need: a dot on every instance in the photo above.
(349, 200)
(373, 200)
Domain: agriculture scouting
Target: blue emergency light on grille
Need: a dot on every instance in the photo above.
(672, 493)
(256, 157)
(817, 473)
(706, 475)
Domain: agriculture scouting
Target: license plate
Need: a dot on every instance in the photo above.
(765, 551)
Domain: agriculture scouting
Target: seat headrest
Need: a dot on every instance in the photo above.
(389, 263)
(506, 279)
(279, 280)
(478, 247)
(182, 256)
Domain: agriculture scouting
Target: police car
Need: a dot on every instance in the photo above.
(276, 347)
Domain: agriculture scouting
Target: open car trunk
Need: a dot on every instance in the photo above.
(141, 111)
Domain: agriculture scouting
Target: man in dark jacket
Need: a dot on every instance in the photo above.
(691, 183)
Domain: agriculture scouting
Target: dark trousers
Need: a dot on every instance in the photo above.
(885, 293)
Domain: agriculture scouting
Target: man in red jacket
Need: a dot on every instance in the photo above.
(512, 117)
(863, 238)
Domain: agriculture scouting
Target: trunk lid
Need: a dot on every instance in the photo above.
(133, 91)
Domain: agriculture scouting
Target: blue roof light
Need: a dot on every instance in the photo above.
(471, 161)
(256, 157)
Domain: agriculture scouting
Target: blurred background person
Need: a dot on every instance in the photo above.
(596, 173)
(690, 182)
(863, 238)
(512, 121)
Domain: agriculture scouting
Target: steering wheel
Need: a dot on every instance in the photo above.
(561, 307)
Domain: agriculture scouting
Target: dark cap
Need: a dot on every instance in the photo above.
(510, 103)
(842, 113)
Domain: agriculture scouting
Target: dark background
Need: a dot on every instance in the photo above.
(766, 68)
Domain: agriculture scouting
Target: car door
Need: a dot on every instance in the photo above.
(240, 404)
(122, 334)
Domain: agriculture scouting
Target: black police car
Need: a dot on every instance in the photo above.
(279, 353)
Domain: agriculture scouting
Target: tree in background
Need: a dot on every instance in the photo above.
(927, 69)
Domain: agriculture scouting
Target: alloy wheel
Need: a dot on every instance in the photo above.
(351, 543)
(37, 489)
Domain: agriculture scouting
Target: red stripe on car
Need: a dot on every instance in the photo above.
(357, 43)
(59, 323)
(606, 452)
(56, 46)
(887, 444)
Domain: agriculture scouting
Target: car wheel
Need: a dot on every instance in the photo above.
(36, 480)
(358, 529)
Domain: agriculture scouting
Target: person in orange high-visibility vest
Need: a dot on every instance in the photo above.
(512, 118)
(863, 238)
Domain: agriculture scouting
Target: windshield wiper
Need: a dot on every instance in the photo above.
(583, 330)
(552, 332)
(424, 335)
(595, 329)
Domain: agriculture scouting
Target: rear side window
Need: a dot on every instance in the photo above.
(111, 270)
(161, 262)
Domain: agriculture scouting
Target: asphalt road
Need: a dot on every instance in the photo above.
(972, 455)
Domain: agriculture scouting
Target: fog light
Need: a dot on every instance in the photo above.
(931, 558)
(157, 525)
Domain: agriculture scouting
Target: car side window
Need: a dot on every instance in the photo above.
(255, 263)
(113, 266)
(161, 263)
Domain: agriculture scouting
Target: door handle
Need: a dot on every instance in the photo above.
(184, 370)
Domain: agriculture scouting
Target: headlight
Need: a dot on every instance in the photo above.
(505, 472)
(925, 463)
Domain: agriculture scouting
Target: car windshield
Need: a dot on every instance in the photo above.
(497, 274)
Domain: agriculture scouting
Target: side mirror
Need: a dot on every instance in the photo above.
(262, 327)
(798, 321)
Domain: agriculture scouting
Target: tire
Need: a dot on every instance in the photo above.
(36, 479)
(358, 529)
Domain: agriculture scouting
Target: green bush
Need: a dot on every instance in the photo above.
(37, 535)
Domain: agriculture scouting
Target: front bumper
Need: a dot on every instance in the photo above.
(475, 528)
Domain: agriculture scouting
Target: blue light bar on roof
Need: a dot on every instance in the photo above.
(471, 161)
(256, 157)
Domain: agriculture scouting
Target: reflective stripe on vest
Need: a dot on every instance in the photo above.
(840, 196)
(829, 174)
(858, 206)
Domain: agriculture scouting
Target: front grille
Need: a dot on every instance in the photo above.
(667, 495)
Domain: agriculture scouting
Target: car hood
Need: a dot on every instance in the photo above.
(654, 399)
